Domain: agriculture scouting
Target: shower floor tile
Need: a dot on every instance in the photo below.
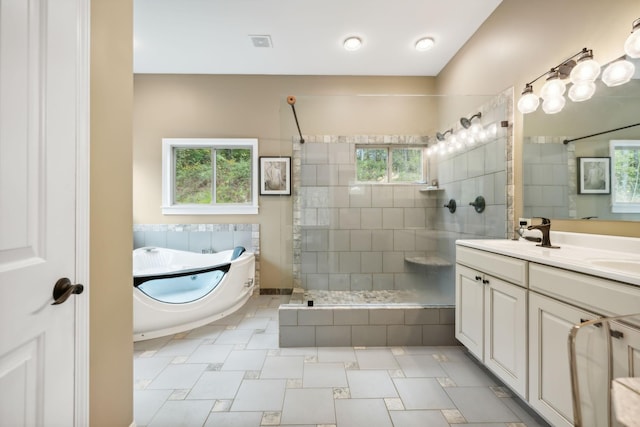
(232, 372)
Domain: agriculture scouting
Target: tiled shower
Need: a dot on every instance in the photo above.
(375, 262)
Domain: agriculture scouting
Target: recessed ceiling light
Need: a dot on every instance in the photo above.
(424, 44)
(352, 43)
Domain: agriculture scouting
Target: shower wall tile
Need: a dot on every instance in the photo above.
(327, 262)
(346, 174)
(392, 218)
(324, 216)
(324, 174)
(371, 262)
(542, 175)
(339, 282)
(342, 154)
(382, 240)
(360, 196)
(339, 197)
(499, 188)
(339, 240)
(360, 240)
(315, 317)
(309, 217)
(308, 176)
(393, 262)
(475, 162)
(425, 241)
(349, 218)
(309, 262)
(409, 281)
(422, 316)
(349, 262)
(315, 154)
(318, 281)
(383, 281)
(361, 282)
(138, 239)
(316, 240)
(371, 218)
(382, 196)
(199, 241)
(242, 238)
(403, 196)
(415, 218)
(461, 168)
(404, 240)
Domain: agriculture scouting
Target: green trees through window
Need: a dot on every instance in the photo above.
(389, 164)
(195, 169)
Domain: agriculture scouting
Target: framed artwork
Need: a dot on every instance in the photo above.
(594, 175)
(275, 176)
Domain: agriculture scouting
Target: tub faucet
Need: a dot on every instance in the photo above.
(545, 228)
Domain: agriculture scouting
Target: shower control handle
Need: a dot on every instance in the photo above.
(63, 289)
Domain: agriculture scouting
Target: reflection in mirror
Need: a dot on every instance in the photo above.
(605, 128)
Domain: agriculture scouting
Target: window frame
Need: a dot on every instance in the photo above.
(390, 148)
(621, 207)
(169, 207)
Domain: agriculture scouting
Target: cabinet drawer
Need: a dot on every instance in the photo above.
(605, 297)
(510, 269)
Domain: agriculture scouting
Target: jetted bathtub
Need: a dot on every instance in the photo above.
(175, 291)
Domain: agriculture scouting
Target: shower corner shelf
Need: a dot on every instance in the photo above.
(429, 260)
(430, 189)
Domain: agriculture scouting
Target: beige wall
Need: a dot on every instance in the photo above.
(519, 42)
(111, 344)
(203, 106)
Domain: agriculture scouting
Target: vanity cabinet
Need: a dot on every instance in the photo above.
(558, 300)
(491, 320)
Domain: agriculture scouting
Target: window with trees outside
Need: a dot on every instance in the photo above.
(625, 182)
(209, 176)
(389, 164)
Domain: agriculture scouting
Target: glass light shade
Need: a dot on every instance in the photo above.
(618, 72)
(632, 45)
(528, 103)
(587, 70)
(553, 87)
(553, 104)
(582, 91)
(425, 44)
(352, 43)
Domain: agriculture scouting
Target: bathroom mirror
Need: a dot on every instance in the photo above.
(552, 170)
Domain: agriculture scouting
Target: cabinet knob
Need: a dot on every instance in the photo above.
(478, 277)
(616, 334)
(486, 281)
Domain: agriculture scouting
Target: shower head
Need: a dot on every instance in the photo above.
(442, 136)
(466, 123)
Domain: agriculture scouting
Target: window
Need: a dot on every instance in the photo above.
(625, 186)
(390, 164)
(209, 176)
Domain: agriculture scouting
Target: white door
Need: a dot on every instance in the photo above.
(43, 102)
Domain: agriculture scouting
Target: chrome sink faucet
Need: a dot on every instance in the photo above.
(545, 228)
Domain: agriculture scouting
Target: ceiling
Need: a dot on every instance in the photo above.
(213, 36)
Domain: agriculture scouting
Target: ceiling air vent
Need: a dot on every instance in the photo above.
(261, 41)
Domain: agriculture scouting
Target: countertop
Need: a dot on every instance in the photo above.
(609, 257)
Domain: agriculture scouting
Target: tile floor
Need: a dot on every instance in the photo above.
(232, 373)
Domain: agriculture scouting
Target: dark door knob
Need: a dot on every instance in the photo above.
(63, 289)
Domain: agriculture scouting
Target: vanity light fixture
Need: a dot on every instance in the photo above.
(424, 44)
(632, 44)
(618, 72)
(352, 43)
(582, 71)
(587, 69)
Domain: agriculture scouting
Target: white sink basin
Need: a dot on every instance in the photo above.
(631, 266)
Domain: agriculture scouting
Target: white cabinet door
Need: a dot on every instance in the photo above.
(505, 322)
(469, 309)
(549, 377)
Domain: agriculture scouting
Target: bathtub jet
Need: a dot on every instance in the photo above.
(175, 291)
